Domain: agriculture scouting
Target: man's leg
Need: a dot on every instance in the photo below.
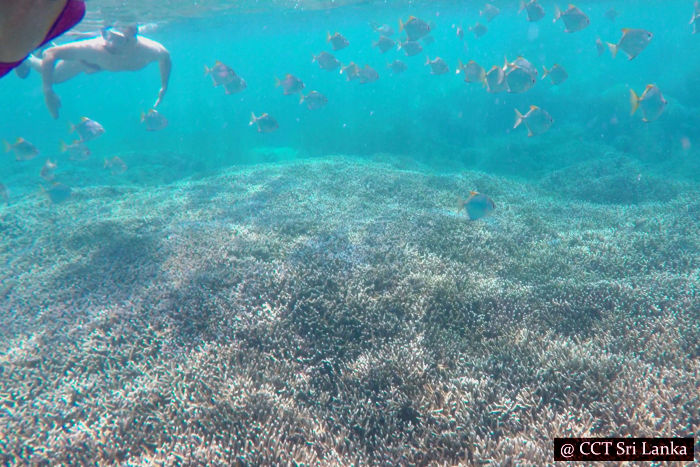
(64, 70)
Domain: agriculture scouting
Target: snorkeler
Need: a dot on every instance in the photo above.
(115, 50)
(26, 25)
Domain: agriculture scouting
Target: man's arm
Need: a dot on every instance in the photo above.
(165, 66)
(48, 64)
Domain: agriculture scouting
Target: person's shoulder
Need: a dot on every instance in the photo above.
(151, 44)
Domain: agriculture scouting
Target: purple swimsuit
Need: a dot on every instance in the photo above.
(71, 15)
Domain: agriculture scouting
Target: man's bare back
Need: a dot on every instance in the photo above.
(114, 51)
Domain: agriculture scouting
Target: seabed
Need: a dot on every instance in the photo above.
(341, 311)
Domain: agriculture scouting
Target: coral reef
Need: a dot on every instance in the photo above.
(340, 311)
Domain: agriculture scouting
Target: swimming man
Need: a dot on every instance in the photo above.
(115, 50)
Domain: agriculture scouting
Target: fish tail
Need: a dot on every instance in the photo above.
(634, 101)
(206, 70)
(301, 97)
(613, 49)
(557, 13)
(522, 6)
(400, 25)
(71, 127)
(546, 71)
(427, 60)
(6, 145)
(252, 118)
(460, 66)
(143, 116)
(328, 36)
(63, 146)
(518, 119)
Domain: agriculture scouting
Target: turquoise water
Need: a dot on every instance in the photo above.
(439, 118)
(314, 294)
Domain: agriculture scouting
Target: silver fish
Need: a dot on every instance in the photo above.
(557, 74)
(411, 48)
(23, 149)
(314, 100)
(534, 10)
(496, 80)
(537, 120)
(438, 66)
(489, 12)
(574, 19)
(265, 123)
(415, 28)
(479, 30)
(220, 73)
(87, 129)
(337, 40)
(290, 84)
(384, 44)
(632, 42)
(397, 66)
(368, 74)
(351, 71)
(473, 72)
(153, 120)
(651, 101)
(326, 61)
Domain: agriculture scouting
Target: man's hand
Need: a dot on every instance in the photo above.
(161, 93)
(53, 102)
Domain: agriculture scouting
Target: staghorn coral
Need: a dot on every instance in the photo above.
(340, 312)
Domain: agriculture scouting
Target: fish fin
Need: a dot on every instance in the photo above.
(530, 134)
(613, 49)
(533, 107)
(546, 71)
(6, 145)
(301, 97)
(143, 116)
(252, 118)
(328, 36)
(625, 31)
(557, 13)
(634, 101)
(63, 146)
(427, 60)
(518, 119)
(71, 127)
(206, 70)
(460, 65)
(522, 6)
(84, 119)
(313, 58)
(400, 25)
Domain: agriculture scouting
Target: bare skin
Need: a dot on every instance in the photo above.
(24, 24)
(132, 53)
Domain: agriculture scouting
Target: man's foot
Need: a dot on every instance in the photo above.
(23, 70)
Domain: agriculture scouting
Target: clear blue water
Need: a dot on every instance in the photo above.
(438, 119)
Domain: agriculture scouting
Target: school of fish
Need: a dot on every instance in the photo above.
(517, 76)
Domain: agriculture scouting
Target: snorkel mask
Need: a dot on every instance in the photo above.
(116, 39)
